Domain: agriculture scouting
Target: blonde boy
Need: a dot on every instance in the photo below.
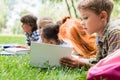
(43, 21)
(95, 15)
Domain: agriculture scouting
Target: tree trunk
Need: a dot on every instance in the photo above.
(74, 9)
(68, 7)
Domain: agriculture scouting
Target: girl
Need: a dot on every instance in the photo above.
(72, 32)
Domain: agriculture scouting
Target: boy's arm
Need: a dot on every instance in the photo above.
(84, 62)
(74, 62)
(114, 41)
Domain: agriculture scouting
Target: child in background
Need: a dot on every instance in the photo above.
(72, 32)
(43, 21)
(29, 26)
(95, 15)
(49, 34)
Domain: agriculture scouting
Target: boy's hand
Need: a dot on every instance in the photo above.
(23, 46)
(71, 62)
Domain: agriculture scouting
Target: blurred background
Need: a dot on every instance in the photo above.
(12, 10)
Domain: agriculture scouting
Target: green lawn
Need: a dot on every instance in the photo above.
(18, 68)
(12, 39)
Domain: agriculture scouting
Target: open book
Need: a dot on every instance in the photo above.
(14, 50)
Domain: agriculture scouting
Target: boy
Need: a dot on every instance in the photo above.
(29, 26)
(95, 15)
(43, 21)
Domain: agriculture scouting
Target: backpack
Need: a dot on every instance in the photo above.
(107, 68)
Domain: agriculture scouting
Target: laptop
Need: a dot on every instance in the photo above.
(47, 55)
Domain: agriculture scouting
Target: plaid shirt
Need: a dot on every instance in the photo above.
(108, 42)
(35, 37)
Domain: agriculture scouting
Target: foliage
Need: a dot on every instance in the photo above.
(17, 29)
(17, 67)
(56, 1)
(11, 11)
(2, 14)
(53, 10)
(116, 10)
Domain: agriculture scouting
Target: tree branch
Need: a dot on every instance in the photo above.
(68, 7)
(74, 8)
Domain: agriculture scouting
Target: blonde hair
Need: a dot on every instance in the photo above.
(44, 21)
(83, 43)
(97, 6)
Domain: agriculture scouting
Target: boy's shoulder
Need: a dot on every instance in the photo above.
(114, 28)
(111, 30)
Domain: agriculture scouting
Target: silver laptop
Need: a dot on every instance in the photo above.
(47, 55)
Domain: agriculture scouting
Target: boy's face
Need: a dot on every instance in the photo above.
(26, 28)
(91, 22)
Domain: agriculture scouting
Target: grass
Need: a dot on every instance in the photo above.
(17, 67)
(12, 39)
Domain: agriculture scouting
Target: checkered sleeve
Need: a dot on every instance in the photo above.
(27, 40)
(35, 36)
(114, 41)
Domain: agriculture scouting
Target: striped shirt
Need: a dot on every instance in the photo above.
(108, 42)
(33, 37)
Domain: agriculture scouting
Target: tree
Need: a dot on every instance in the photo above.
(3, 14)
(72, 6)
(68, 7)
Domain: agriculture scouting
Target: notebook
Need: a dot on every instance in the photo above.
(47, 55)
(14, 50)
(11, 49)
